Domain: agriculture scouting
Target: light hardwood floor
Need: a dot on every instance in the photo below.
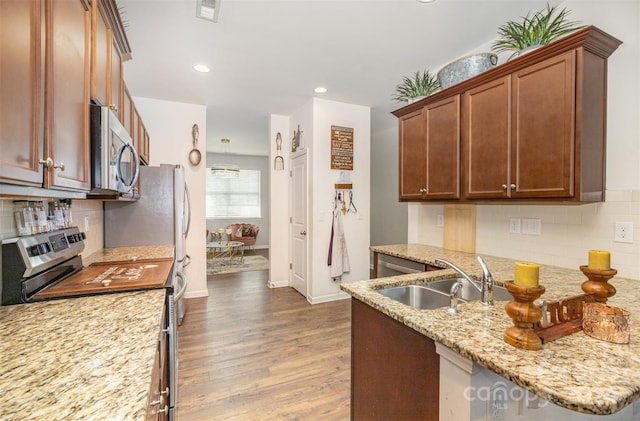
(248, 352)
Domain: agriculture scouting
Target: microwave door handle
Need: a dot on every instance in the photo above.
(188, 203)
(118, 162)
(136, 163)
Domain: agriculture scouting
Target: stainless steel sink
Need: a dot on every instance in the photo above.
(417, 296)
(435, 294)
(468, 292)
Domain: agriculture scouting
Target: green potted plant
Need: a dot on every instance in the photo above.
(535, 30)
(421, 85)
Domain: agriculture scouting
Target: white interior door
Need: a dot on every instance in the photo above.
(299, 235)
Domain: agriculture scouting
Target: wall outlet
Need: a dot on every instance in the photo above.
(86, 225)
(624, 232)
(531, 226)
(514, 225)
(440, 221)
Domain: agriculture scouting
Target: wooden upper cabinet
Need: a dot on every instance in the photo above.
(487, 146)
(22, 47)
(109, 48)
(543, 116)
(67, 115)
(533, 128)
(412, 156)
(443, 149)
(100, 53)
(116, 83)
(429, 152)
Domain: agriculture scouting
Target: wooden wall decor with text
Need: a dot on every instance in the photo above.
(341, 148)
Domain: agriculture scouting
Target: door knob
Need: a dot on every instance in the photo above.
(303, 232)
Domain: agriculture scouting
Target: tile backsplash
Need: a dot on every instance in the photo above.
(567, 231)
(87, 215)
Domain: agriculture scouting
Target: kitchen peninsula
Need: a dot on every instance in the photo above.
(575, 372)
(81, 358)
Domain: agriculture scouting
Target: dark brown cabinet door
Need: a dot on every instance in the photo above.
(21, 91)
(395, 371)
(443, 149)
(67, 123)
(412, 156)
(543, 122)
(486, 150)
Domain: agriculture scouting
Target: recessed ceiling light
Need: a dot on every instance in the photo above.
(201, 68)
(320, 90)
(425, 1)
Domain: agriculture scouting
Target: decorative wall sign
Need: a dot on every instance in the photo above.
(341, 148)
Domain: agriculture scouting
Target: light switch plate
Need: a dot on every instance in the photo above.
(531, 226)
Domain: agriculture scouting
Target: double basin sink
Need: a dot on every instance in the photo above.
(435, 294)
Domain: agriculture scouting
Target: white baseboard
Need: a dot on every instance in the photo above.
(278, 284)
(340, 295)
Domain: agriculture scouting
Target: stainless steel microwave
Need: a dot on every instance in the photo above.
(114, 160)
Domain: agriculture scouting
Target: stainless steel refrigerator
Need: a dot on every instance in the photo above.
(161, 215)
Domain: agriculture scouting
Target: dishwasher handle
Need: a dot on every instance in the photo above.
(398, 268)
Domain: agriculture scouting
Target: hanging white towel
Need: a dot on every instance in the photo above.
(338, 248)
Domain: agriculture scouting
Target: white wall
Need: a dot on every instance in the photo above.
(279, 203)
(169, 125)
(569, 231)
(317, 137)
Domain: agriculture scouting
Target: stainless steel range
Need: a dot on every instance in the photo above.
(48, 266)
(35, 262)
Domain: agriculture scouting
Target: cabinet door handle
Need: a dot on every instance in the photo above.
(512, 186)
(48, 163)
(303, 232)
(504, 187)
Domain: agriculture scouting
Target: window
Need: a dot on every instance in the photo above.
(237, 197)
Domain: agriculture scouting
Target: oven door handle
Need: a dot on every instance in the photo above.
(178, 295)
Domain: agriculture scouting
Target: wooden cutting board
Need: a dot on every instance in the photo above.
(460, 228)
(129, 276)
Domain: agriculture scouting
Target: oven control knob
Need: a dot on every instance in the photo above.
(33, 251)
(42, 249)
(47, 247)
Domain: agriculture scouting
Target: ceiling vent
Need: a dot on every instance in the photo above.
(208, 9)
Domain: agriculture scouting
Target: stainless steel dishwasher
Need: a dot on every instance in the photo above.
(393, 266)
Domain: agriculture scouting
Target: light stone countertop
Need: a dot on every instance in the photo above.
(125, 254)
(577, 372)
(87, 358)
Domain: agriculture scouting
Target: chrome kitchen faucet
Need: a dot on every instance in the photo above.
(485, 288)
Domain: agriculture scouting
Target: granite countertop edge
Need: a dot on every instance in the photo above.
(548, 373)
